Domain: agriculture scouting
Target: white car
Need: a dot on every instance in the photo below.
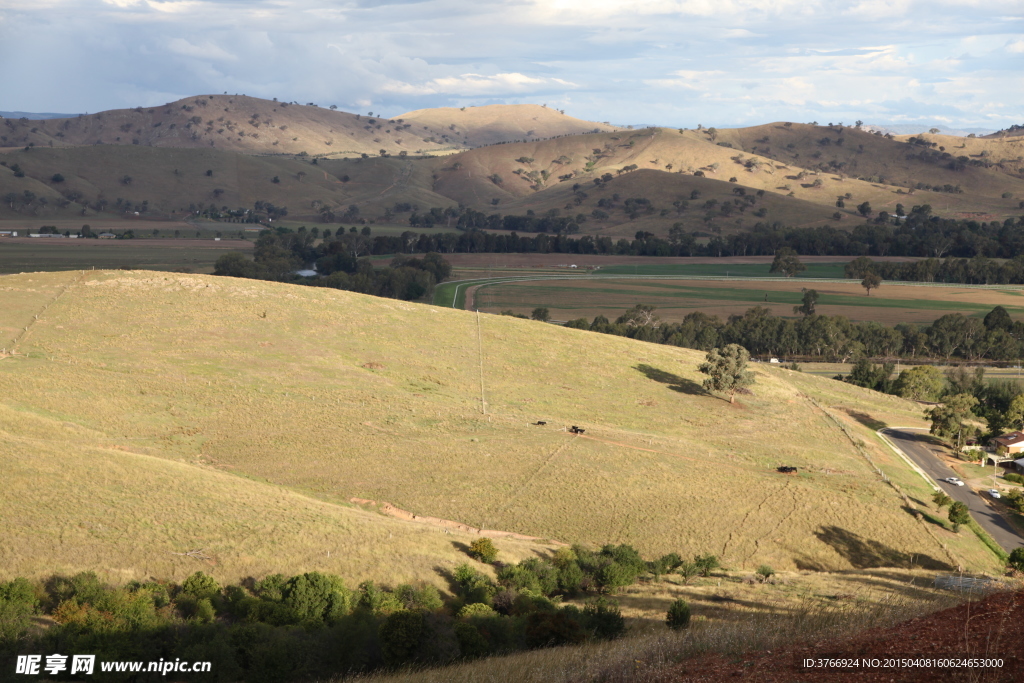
(993, 493)
(954, 481)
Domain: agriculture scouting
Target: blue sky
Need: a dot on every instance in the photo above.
(953, 63)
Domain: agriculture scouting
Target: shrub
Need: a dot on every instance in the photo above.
(612, 576)
(570, 578)
(678, 615)
(1016, 560)
(941, 499)
(1015, 478)
(200, 586)
(483, 549)
(400, 635)
(959, 515)
(475, 610)
(315, 597)
(708, 563)
(57, 178)
(471, 644)
(764, 572)
(377, 600)
(552, 629)
(204, 612)
(687, 570)
(519, 578)
(603, 619)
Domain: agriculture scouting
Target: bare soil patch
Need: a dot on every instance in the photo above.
(991, 628)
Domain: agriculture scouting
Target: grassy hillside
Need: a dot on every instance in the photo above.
(334, 396)
(256, 126)
(490, 124)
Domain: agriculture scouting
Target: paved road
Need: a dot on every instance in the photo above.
(917, 447)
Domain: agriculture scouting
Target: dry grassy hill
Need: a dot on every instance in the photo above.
(146, 414)
(225, 122)
(495, 123)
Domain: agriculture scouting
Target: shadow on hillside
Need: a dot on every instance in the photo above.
(865, 419)
(674, 382)
(863, 553)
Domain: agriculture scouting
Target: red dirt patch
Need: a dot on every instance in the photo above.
(991, 628)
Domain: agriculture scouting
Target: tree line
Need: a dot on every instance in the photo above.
(281, 252)
(313, 626)
(821, 337)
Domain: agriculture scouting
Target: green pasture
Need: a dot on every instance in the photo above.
(814, 270)
(141, 254)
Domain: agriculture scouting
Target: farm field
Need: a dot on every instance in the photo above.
(23, 255)
(891, 304)
(330, 396)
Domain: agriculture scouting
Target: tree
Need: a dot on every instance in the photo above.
(872, 280)
(921, 383)
(678, 615)
(687, 570)
(933, 131)
(542, 314)
(959, 515)
(1014, 415)
(706, 564)
(809, 301)
(864, 209)
(727, 370)
(941, 499)
(1016, 560)
(483, 549)
(998, 319)
(787, 262)
(57, 178)
(949, 420)
(400, 635)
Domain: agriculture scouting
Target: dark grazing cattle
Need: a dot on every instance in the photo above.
(540, 423)
(786, 469)
(577, 430)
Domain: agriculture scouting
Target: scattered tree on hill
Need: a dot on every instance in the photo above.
(941, 499)
(727, 370)
(949, 420)
(57, 178)
(871, 281)
(706, 564)
(787, 262)
(959, 515)
(541, 313)
(483, 549)
(809, 301)
(864, 209)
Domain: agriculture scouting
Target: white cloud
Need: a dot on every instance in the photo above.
(477, 84)
(207, 50)
(1016, 47)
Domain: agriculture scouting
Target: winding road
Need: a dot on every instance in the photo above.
(917, 445)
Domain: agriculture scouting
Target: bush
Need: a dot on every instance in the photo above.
(603, 619)
(200, 586)
(476, 610)
(57, 178)
(471, 644)
(1015, 478)
(959, 515)
(765, 572)
(688, 570)
(204, 612)
(678, 615)
(707, 563)
(941, 499)
(1016, 560)
(483, 549)
(570, 578)
(400, 635)
(552, 629)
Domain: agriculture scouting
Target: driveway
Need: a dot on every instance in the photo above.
(917, 446)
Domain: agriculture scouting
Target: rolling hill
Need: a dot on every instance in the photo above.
(232, 151)
(256, 126)
(147, 414)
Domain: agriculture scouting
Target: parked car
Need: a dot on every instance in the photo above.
(993, 493)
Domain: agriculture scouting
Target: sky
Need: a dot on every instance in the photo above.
(949, 63)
